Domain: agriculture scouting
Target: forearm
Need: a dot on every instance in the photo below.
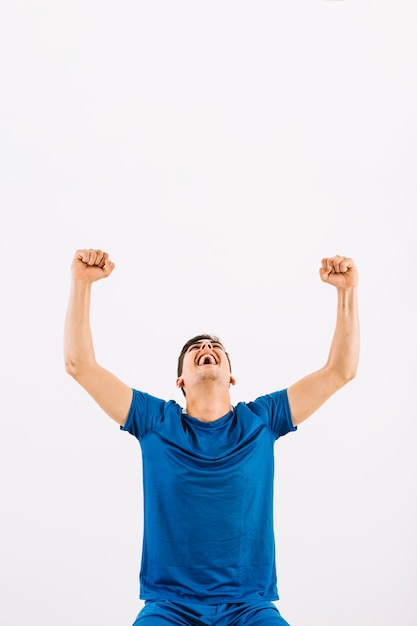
(78, 341)
(309, 393)
(344, 351)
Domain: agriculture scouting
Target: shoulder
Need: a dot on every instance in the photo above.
(269, 401)
(274, 410)
(147, 412)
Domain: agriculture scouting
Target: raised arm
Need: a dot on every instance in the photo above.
(110, 393)
(309, 393)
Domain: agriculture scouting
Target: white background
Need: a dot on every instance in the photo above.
(218, 150)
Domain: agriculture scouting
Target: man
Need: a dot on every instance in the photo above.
(208, 552)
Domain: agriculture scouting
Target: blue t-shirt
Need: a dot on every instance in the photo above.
(208, 499)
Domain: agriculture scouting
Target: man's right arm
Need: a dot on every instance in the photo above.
(110, 393)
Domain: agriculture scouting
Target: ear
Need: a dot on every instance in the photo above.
(232, 380)
(180, 382)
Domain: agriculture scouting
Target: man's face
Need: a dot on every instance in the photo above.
(205, 360)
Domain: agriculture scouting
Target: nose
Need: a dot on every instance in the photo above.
(206, 344)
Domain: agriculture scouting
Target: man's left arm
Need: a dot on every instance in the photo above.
(309, 393)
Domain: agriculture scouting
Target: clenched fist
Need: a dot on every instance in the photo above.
(339, 271)
(91, 265)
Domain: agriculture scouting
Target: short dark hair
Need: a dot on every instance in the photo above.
(189, 343)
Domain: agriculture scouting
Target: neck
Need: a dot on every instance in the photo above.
(207, 406)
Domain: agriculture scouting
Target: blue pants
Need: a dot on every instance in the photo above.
(164, 612)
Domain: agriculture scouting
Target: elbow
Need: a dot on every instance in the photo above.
(71, 367)
(341, 376)
(351, 374)
(76, 368)
(347, 375)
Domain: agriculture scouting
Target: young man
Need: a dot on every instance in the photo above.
(208, 548)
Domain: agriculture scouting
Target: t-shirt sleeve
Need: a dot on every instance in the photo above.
(275, 408)
(145, 414)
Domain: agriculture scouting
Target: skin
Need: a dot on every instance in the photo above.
(207, 385)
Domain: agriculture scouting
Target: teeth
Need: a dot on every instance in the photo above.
(207, 359)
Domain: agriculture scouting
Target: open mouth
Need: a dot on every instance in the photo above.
(207, 359)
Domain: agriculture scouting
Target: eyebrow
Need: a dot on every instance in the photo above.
(214, 343)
